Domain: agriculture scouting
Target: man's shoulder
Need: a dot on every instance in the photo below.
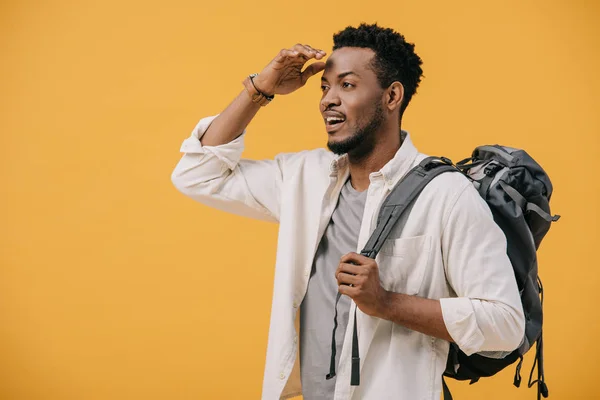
(447, 189)
(451, 182)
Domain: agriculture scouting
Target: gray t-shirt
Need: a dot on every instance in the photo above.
(318, 307)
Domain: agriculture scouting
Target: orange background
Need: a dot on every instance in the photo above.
(115, 286)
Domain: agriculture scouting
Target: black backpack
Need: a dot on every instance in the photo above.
(518, 192)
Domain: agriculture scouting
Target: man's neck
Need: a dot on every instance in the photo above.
(384, 150)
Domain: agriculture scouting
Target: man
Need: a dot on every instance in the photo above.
(445, 277)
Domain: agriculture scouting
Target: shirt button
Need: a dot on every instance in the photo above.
(295, 339)
(281, 376)
(295, 305)
(307, 273)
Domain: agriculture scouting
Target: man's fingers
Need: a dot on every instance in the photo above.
(299, 54)
(285, 54)
(285, 73)
(318, 52)
(349, 291)
(349, 269)
(348, 279)
(308, 51)
(304, 51)
(355, 258)
(311, 70)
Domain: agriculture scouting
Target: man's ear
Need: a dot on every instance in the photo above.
(395, 96)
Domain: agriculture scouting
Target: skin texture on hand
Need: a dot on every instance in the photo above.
(363, 274)
(416, 313)
(284, 75)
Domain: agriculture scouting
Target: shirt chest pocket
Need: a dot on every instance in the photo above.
(403, 263)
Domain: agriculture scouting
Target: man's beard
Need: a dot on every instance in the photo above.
(363, 140)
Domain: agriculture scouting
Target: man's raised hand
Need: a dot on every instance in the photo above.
(284, 75)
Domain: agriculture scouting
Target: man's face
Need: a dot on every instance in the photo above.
(351, 103)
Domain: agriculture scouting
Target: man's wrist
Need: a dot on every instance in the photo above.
(262, 87)
(385, 305)
(256, 96)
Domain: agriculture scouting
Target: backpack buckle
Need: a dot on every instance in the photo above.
(435, 162)
(491, 169)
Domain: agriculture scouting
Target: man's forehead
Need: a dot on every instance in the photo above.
(349, 59)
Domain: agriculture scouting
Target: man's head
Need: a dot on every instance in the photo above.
(368, 81)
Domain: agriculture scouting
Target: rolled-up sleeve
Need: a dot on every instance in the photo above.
(487, 314)
(219, 177)
(228, 153)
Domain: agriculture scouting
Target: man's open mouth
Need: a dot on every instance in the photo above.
(333, 124)
(334, 120)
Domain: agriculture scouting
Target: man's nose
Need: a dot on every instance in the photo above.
(330, 99)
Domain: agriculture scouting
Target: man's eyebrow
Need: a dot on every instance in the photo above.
(342, 75)
(345, 74)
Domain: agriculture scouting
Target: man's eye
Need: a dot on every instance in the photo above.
(347, 85)
(323, 88)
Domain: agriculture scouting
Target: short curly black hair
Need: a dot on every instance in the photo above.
(395, 59)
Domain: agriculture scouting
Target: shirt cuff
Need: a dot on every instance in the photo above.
(461, 324)
(229, 153)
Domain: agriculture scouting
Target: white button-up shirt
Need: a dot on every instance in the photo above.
(450, 249)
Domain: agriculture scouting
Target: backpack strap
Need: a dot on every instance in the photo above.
(394, 206)
(331, 373)
(404, 194)
(355, 372)
(446, 390)
(522, 202)
(542, 388)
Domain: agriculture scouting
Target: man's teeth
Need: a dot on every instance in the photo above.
(334, 120)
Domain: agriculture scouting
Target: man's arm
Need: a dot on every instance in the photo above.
(282, 75)
(212, 171)
(486, 315)
(230, 124)
(416, 313)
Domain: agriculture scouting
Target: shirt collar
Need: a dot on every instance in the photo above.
(393, 170)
